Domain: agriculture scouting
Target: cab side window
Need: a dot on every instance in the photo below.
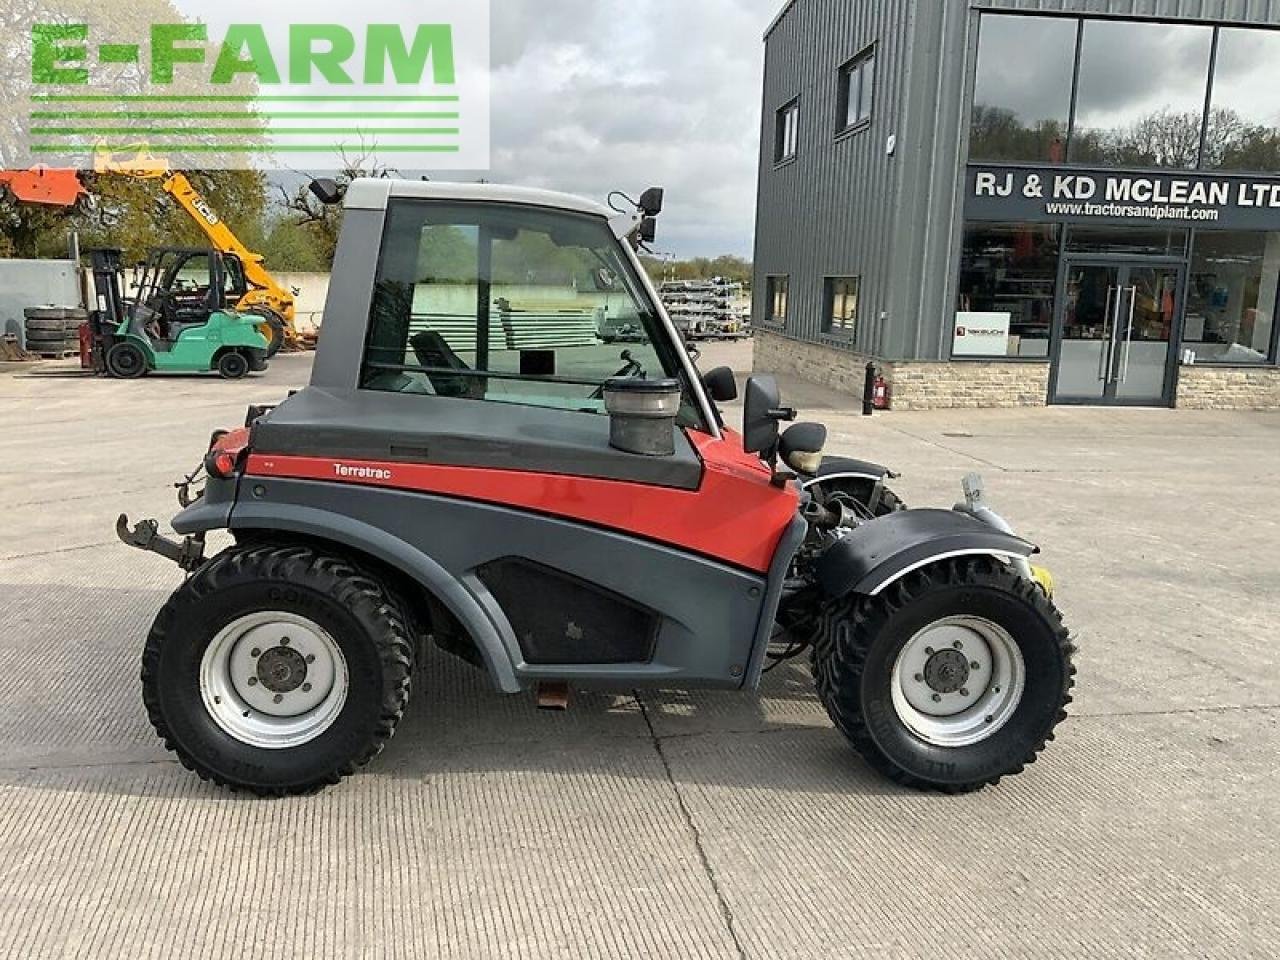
(507, 304)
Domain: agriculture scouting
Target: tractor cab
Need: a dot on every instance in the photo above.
(179, 287)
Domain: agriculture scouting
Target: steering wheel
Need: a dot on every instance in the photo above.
(630, 368)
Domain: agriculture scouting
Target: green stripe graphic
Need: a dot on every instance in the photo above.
(228, 98)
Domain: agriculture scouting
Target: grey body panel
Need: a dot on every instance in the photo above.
(791, 540)
(375, 425)
(210, 512)
(880, 551)
(713, 615)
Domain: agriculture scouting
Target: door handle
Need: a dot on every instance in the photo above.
(1128, 336)
(1105, 353)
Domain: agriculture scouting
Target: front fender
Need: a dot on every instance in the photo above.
(846, 468)
(203, 516)
(877, 553)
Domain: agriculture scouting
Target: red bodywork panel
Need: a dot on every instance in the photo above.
(55, 187)
(736, 515)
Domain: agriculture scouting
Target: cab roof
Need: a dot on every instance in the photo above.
(373, 195)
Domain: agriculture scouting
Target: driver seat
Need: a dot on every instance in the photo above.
(431, 350)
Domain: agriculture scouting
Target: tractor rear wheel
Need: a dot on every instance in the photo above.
(277, 669)
(952, 678)
(126, 361)
(233, 365)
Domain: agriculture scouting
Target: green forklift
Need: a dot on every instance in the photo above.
(179, 319)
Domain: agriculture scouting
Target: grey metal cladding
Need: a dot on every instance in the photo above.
(346, 309)
(712, 613)
(829, 212)
(413, 428)
(1219, 11)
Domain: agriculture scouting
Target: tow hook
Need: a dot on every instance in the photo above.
(145, 535)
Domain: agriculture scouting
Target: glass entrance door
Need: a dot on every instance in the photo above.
(1115, 328)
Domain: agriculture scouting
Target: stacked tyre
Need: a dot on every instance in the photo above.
(54, 330)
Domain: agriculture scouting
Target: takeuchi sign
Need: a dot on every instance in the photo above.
(1171, 199)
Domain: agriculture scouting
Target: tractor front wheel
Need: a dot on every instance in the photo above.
(952, 678)
(126, 361)
(277, 669)
(233, 365)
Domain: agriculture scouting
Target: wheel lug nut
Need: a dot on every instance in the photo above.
(958, 645)
(253, 681)
(964, 692)
(306, 688)
(255, 652)
(937, 697)
(278, 697)
(974, 665)
(991, 719)
(928, 651)
(919, 678)
(284, 641)
(311, 658)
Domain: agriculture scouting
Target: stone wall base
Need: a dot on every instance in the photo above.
(913, 384)
(1228, 388)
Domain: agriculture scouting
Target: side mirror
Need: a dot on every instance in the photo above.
(648, 229)
(326, 190)
(720, 384)
(651, 201)
(762, 411)
(801, 447)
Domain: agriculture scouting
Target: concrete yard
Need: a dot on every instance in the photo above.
(674, 825)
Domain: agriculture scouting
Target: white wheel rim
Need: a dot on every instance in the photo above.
(273, 679)
(958, 681)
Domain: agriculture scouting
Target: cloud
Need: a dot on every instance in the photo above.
(596, 96)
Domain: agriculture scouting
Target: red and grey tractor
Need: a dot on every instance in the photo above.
(473, 466)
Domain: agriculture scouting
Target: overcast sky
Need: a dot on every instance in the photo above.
(594, 95)
(590, 96)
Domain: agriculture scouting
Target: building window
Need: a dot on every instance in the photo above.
(1008, 272)
(857, 91)
(1143, 110)
(841, 318)
(1022, 96)
(775, 305)
(1244, 123)
(1231, 297)
(786, 132)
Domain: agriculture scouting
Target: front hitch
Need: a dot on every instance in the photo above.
(145, 535)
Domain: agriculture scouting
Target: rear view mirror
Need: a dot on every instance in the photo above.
(648, 230)
(651, 201)
(720, 384)
(759, 425)
(326, 190)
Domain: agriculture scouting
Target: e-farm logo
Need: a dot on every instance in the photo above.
(410, 89)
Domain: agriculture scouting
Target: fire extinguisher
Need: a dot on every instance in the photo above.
(880, 393)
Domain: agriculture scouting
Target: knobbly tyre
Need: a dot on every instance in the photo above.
(474, 471)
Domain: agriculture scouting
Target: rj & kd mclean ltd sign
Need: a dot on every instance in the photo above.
(1056, 195)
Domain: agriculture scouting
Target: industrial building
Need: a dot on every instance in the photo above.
(1020, 202)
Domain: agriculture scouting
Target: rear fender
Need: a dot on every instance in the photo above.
(846, 468)
(325, 525)
(879, 552)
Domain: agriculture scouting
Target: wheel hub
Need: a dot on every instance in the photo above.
(947, 671)
(282, 670)
(273, 679)
(958, 680)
